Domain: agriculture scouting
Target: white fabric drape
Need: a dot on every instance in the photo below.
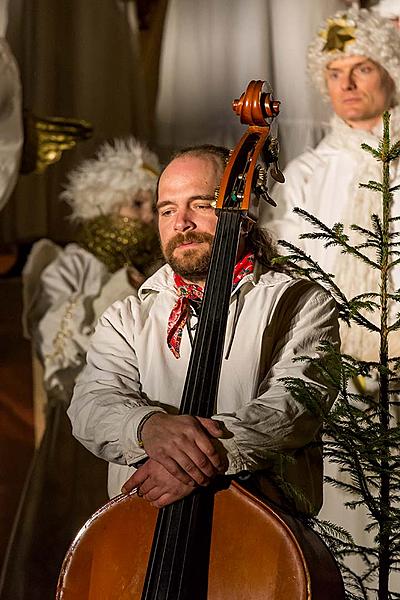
(303, 114)
(3, 17)
(211, 50)
(207, 60)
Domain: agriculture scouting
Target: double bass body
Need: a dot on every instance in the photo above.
(256, 553)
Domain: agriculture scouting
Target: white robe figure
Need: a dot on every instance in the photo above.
(65, 291)
(324, 182)
(11, 131)
(62, 304)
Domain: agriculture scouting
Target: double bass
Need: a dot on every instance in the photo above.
(223, 542)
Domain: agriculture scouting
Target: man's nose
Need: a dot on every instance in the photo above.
(183, 221)
(348, 82)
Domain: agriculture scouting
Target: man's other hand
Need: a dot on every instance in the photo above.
(156, 485)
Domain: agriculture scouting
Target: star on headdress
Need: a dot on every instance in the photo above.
(338, 33)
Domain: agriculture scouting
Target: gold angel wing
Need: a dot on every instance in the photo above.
(46, 138)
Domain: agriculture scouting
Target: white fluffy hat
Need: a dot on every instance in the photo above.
(388, 8)
(355, 32)
(118, 172)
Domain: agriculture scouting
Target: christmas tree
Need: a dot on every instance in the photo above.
(361, 434)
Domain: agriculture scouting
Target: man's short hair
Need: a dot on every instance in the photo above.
(219, 154)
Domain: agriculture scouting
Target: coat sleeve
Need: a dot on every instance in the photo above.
(109, 388)
(274, 421)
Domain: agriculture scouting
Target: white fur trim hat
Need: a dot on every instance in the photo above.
(388, 8)
(118, 172)
(355, 32)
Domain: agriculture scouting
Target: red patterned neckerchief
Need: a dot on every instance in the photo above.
(190, 291)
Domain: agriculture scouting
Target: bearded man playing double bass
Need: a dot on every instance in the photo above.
(125, 403)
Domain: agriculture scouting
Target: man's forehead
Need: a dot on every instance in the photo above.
(348, 61)
(192, 177)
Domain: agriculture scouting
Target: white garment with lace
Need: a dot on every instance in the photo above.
(63, 298)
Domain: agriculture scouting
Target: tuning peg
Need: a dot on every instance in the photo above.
(270, 154)
(268, 199)
(276, 173)
(261, 191)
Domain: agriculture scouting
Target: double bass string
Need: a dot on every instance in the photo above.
(186, 525)
(173, 538)
(214, 314)
(218, 287)
(199, 398)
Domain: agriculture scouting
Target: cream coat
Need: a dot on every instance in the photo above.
(130, 371)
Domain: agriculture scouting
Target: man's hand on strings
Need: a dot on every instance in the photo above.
(156, 485)
(187, 447)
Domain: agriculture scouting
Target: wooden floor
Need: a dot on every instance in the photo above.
(16, 412)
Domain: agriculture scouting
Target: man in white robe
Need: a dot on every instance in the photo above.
(346, 62)
(11, 134)
(355, 62)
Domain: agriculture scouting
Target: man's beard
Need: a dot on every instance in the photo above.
(193, 263)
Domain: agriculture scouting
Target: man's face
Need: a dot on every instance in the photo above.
(186, 217)
(360, 90)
